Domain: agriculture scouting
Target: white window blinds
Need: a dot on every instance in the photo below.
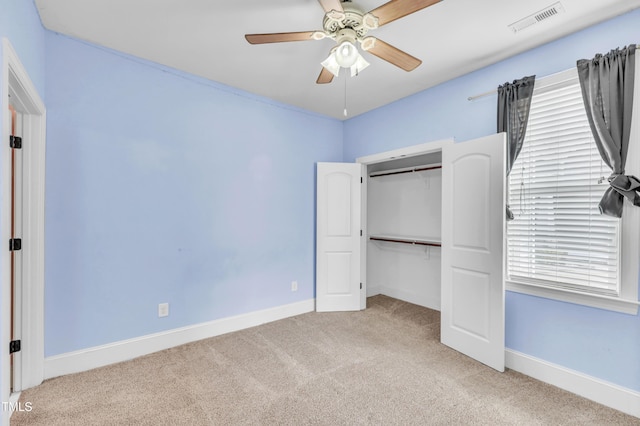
(558, 237)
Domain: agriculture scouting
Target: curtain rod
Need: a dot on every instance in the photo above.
(494, 91)
(491, 92)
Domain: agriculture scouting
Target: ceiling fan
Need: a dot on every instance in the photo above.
(347, 26)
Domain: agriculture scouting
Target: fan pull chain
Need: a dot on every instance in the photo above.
(345, 95)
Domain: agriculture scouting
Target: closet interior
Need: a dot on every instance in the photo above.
(403, 222)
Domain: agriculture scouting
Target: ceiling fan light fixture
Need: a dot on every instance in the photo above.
(331, 64)
(346, 54)
(347, 26)
(360, 64)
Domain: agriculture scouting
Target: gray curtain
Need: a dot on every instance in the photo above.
(607, 92)
(514, 103)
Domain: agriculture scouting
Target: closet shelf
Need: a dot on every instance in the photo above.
(405, 240)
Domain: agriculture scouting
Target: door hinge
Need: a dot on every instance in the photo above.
(361, 232)
(15, 244)
(14, 346)
(15, 142)
(360, 179)
(360, 286)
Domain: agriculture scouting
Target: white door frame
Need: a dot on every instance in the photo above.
(24, 96)
(422, 149)
(410, 151)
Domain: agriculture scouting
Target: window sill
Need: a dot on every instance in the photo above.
(594, 300)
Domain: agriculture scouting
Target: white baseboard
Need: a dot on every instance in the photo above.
(605, 393)
(13, 401)
(373, 291)
(99, 356)
(406, 296)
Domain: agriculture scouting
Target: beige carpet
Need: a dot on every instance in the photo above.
(382, 366)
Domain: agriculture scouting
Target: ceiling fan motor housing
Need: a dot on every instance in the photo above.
(350, 19)
(346, 34)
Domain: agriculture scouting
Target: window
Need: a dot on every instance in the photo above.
(559, 245)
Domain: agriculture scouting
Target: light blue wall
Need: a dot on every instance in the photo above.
(20, 23)
(163, 187)
(599, 343)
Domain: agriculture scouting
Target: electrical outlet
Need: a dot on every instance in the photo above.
(294, 285)
(163, 310)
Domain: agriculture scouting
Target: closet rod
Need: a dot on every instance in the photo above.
(415, 169)
(412, 242)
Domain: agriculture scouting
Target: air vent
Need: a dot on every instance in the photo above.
(542, 15)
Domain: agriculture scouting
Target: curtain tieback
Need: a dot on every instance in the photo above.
(627, 186)
(509, 213)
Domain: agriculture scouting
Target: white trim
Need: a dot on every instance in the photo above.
(600, 391)
(99, 356)
(407, 296)
(16, 81)
(374, 290)
(406, 152)
(363, 241)
(630, 244)
(410, 151)
(5, 290)
(13, 400)
(577, 297)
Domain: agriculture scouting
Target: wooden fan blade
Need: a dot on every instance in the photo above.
(325, 76)
(391, 54)
(279, 37)
(329, 5)
(396, 9)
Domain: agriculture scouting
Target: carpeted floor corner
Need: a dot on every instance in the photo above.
(381, 366)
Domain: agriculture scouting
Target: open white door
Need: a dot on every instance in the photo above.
(338, 237)
(473, 212)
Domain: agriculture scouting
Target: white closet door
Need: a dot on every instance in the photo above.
(473, 211)
(338, 237)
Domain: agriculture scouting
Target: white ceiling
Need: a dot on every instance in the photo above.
(206, 38)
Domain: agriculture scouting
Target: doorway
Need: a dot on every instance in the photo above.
(464, 219)
(15, 243)
(21, 217)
